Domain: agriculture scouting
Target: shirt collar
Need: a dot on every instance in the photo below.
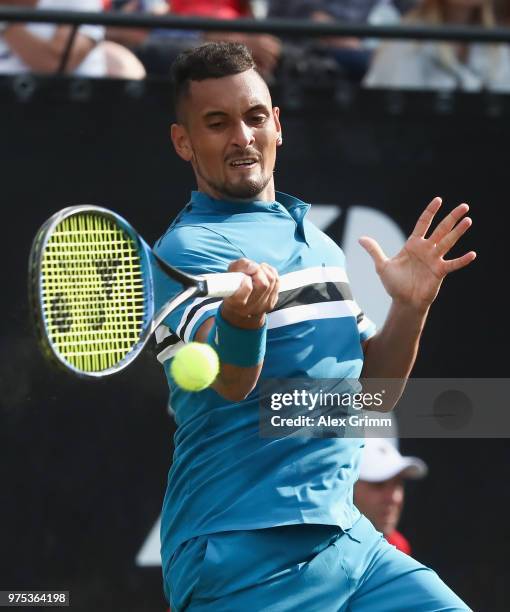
(203, 202)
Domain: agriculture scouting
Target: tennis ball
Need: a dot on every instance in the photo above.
(195, 366)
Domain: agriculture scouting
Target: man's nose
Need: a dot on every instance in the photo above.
(242, 135)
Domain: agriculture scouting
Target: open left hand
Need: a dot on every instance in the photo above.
(414, 276)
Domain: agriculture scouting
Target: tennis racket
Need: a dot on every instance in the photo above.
(91, 289)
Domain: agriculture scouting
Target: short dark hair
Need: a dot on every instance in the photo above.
(210, 61)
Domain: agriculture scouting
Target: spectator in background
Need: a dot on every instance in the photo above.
(437, 65)
(158, 48)
(379, 492)
(40, 47)
(351, 54)
(154, 48)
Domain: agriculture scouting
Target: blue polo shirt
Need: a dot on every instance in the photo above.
(224, 476)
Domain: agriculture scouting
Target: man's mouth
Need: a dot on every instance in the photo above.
(244, 162)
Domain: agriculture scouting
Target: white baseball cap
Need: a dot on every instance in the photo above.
(381, 461)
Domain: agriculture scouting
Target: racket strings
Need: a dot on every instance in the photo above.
(93, 292)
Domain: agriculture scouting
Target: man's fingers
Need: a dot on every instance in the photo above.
(240, 298)
(374, 250)
(264, 288)
(452, 237)
(264, 279)
(427, 216)
(273, 298)
(448, 223)
(451, 265)
(244, 265)
(261, 281)
(256, 294)
(268, 298)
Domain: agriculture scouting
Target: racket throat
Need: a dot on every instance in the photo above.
(187, 280)
(165, 310)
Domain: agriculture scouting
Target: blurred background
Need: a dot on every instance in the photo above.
(373, 129)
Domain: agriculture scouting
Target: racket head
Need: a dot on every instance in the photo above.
(91, 290)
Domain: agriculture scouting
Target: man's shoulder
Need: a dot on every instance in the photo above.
(188, 237)
(181, 232)
(321, 241)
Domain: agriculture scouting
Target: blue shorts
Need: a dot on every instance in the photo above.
(317, 568)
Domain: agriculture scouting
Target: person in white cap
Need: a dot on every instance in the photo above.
(379, 492)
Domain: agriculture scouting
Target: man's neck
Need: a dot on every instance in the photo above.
(266, 195)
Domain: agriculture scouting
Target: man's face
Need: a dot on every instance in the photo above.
(381, 502)
(229, 133)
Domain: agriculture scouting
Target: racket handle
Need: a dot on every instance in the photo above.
(223, 284)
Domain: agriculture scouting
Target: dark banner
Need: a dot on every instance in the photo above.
(84, 464)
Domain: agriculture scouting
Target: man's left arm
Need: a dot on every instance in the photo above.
(412, 279)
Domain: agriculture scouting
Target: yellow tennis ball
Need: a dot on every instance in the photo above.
(195, 366)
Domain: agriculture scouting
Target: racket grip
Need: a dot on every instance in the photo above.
(223, 284)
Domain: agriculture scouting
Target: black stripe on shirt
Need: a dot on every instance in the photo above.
(314, 294)
(309, 294)
(194, 310)
(168, 341)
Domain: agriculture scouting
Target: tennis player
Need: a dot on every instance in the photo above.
(252, 523)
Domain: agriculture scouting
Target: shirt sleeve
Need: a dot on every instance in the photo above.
(366, 327)
(194, 250)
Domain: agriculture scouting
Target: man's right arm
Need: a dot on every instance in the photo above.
(244, 311)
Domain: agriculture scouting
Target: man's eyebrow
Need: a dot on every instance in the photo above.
(218, 113)
(214, 113)
(258, 107)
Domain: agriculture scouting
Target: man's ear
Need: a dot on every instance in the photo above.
(181, 141)
(276, 117)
